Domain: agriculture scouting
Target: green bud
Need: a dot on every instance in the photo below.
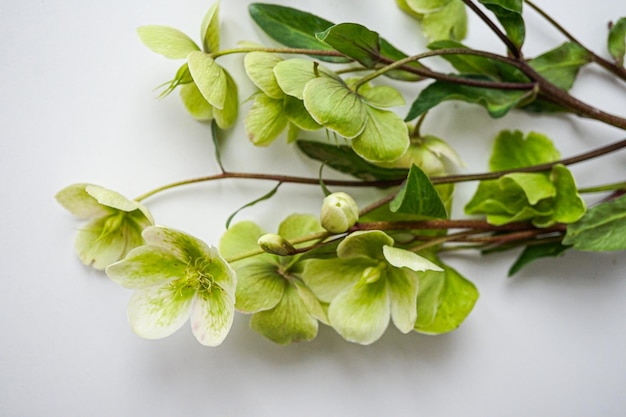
(339, 212)
(276, 244)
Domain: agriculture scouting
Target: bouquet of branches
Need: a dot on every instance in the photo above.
(356, 267)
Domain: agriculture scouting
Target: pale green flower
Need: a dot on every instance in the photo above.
(176, 277)
(368, 283)
(114, 227)
(283, 308)
(339, 212)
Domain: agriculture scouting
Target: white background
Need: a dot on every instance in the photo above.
(77, 105)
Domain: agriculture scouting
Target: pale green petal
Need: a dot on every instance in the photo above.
(195, 102)
(403, 287)
(75, 199)
(367, 244)
(227, 116)
(298, 225)
(333, 105)
(381, 96)
(103, 241)
(426, 6)
(298, 114)
(167, 41)
(260, 287)
(385, 136)
(212, 317)
(157, 312)
(266, 120)
(361, 313)
(536, 186)
(181, 245)
(210, 29)
(313, 305)
(293, 74)
(240, 238)
(209, 77)
(146, 266)
(290, 321)
(402, 258)
(328, 277)
(260, 68)
(111, 198)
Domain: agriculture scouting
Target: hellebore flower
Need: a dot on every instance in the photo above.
(339, 212)
(114, 227)
(368, 283)
(283, 308)
(176, 277)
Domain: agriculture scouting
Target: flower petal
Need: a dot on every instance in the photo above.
(111, 198)
(223, 275)
(77, 201)
(384, 138)
(157, 312)
(260, 287)
(99, 245)
(293, 74)
(364, 244)
(146, 266)
(166, 41)
(260, 69)
(328, 277)
(290, 321)
(212, 316)
(195, 103)
(209, 77)
(266, 120)
(227, 116)
(181, 245)
(402, 258)
(403, 287)
(361, 313)
(333, 105)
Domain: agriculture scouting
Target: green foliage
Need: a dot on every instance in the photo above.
(440, 19)
(292, 27)
(536, 251)
(616, 43)
(444, 301)
(542, 198)
(509, 14)
(561, 65)
(419, 197)
(602, 228)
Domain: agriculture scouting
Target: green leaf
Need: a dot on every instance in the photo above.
(616, 42)
(602, 228)
(449, 22)
(385, 136)
(560, 65)
(353, 40)
(509, 13)
(419, 197)
(496, 102)
(568, 205)
(465, 63)
(512, 150)
(266, 120)
(210, 29)
(444, 301)
(393, 54)
(533, 252)
(292, 27)
(167, 41)
(343, 159)
(333, 105)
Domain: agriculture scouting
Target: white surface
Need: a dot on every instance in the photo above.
(77, 105)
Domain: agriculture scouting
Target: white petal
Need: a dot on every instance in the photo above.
(78, 202)
(404, 258)
(157, 312)
(212, 316)
(111, 198)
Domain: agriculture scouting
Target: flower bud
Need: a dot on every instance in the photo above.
(276, 244)
(339, 213)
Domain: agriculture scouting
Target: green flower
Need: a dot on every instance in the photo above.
(114, 227)
(177, 277)
(207, 90)
(542, 198)
(339, 212)
(368, 283)
(269, 286)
